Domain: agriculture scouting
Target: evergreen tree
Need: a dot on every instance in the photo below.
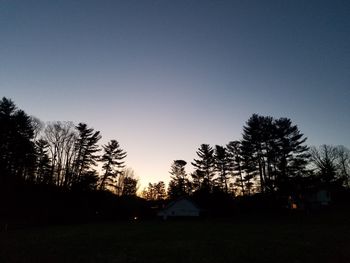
(86, 147)
(17, 151)
(130, 187)
(197, 180)
(248, 167)
(88, 182)
(223, 167)
(155, 191)
(236, 164)
(276, 147)
(252, 143)
(43, 162)
(205, 167)
(290, 154)
(113, 163)
(160, 191)
(179, 184)
(126, 183)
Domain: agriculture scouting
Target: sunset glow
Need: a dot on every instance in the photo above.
(163, 77)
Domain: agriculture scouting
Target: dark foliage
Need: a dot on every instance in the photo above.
(48, 175)
(17, 151)
(203, 176)
(277, 152)
(179, 184)
(113, 163)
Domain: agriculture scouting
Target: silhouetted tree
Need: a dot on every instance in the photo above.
(237, 170)
(205, 168)
(126, 183)
(256, 134)
(197, 181)
(344, 164)
(160, 191)
(223, 167)
(86, 148)
(88, 182)
(155, 191)
(37, 125)
(61, 138)
(130, 187)
(17, 151)
(248, 166)
(179, 184)
(331, 164)
(113, 163)
(290, 155)
(277, 149)
(43, 162)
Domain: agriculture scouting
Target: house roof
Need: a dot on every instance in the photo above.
(172, 203)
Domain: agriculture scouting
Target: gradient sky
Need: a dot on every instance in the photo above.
(163, 76)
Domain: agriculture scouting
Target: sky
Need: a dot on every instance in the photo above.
(163, 77)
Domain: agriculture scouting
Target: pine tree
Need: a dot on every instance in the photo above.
(179, 184)
(275, 150)
(223, 167)
(129, 187)
(43, 162)
(205, 167)
(17, 151)
(86, 148)
(290, 154)
(113, 163)
(236, 164)
(252, 143)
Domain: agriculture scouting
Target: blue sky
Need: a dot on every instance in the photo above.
(163, 76)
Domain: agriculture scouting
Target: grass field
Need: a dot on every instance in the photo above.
(181, 241)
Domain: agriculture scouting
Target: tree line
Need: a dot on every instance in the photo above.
(59, 154)
(271, 157)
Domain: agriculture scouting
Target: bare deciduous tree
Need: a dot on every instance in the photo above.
(331, 163)
(60, 137)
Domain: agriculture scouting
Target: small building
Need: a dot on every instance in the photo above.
(182, 207)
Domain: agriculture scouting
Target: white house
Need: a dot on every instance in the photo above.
(182, 207)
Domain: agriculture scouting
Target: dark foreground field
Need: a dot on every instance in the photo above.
(292, 240)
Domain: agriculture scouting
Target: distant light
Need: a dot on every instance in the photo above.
(135, 217)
